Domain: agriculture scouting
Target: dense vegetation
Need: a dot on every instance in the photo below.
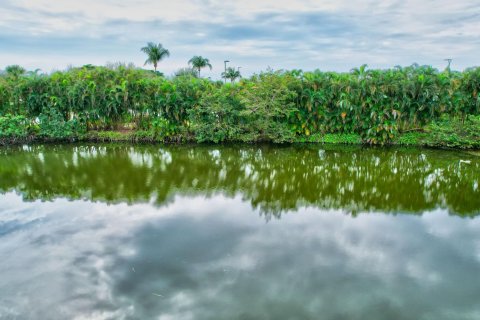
(370, 106)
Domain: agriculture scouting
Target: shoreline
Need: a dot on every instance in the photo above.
(409, 139)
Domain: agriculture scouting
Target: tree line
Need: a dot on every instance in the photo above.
(278, 106)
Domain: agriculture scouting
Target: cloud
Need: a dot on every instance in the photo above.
(213, 258)
(332, 35)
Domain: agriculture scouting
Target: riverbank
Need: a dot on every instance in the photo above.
(415, 105)
(452, 134)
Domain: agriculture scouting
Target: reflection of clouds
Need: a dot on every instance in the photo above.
(16, 215)
(214, 258)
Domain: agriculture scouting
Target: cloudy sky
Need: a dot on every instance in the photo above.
(252, 34)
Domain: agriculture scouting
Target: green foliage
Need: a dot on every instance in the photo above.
(455, 133)
(410, 138)
(199, 62)
(155, 53)
(333, 138)
(231, 74)
(5, 93)
(186, 72)
(343, 138)
(108, 136)
(15, 71)
(380, 106)
(13, 126)
(269, 100)
(53, 125)
(217, 116)
(162, 128)
(257, 110)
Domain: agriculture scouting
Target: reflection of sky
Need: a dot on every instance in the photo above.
(217, 259)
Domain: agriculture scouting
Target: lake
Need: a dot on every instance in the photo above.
(114, 231)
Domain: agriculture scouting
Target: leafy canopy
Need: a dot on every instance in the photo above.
(199, 62)
(155, 53)
(231, 74)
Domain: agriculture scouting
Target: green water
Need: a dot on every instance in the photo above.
(238, 232)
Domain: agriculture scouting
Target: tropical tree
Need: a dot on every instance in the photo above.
(35, 73)
(231, 74)
(155, 53)
(199, 62)
(361, 72)
(15, 71)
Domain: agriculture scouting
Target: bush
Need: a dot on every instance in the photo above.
(13, 126)
(162, 128)
(453, 132)
(53, 125)
(269, 101)
(216, 118)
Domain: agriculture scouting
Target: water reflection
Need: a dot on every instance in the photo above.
(272, 179)
(212, 258)
(150, 232)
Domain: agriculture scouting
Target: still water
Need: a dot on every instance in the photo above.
(238, 232)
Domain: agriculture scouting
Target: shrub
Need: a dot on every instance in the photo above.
(453, 132)
(216, 118)
(53, 125)
(162, 128)
(13, 126)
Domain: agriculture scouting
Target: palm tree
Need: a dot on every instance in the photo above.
(199, 62)
(15, 71)
(231, 74)
(361, 72)
(155, 53)
(35, 74)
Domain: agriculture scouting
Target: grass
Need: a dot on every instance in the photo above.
(446, 133)
(411, 139)
(334, 138)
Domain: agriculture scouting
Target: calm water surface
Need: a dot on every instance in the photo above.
(238, 232)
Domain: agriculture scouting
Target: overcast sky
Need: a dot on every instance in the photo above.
(253, 34)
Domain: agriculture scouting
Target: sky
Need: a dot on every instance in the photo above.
(252, 34)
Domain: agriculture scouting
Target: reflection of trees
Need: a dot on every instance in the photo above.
(273, 179)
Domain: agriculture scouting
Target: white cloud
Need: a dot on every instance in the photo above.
(253, 34)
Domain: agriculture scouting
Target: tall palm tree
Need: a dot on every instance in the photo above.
(199, 62)
(231, 74)
(155, 53)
